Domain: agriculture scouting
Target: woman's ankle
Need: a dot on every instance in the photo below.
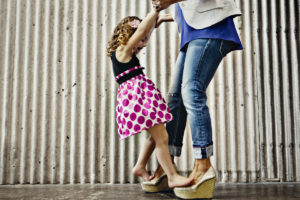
(202, 164)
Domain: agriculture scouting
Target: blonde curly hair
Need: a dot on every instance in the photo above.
(121, 34)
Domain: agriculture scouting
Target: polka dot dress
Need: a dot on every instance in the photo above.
(140, 106)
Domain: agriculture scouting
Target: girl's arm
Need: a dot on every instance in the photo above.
(144, 29)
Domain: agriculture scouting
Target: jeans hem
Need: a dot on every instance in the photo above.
(203, 152)
(175, 150)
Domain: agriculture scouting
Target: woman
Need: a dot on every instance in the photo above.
(207, 34)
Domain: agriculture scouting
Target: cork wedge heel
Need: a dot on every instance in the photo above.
(156, 185)
(204, 189)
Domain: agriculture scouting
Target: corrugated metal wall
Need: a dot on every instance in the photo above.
(57, 93)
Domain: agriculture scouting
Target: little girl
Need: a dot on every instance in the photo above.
(140, 105)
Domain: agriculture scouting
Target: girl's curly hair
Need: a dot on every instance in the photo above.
(121, 34)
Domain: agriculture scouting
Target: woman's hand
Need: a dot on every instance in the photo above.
(163, 18)
(159, 20)
(163, 4)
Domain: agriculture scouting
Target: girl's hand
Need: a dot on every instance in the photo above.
(163, 18)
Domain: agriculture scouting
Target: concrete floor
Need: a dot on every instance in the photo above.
(134, 192)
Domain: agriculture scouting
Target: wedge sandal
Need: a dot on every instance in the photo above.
(157, 185)
(204, 189)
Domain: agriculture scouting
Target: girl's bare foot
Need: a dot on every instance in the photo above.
(179, 181)
(196, 175)
(141, 172)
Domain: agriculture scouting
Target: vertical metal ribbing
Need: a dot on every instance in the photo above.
(230, 129)
(286, 91)
(45, 97)
(83, 93)
(268, 129)
(221, 104)
(64, 90)
(249, 94)
(220, 124)
(294, 48)
(54, 91)
(6, 64)
(61, 88)
(14, 129)
(162, 65)
(24, 127)
(173, 48)
(79, 80)
(240, 105)
(2, 53)
(240, 116)
(35, 95)
(257, 61)
(104, 143)
(89, 75)
(255, 54)
(93, 100)
(278, 143)
(101, 54)
(211, 102)
(75, 84)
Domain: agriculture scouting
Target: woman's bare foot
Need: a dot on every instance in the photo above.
(179, 181)
(141, 172)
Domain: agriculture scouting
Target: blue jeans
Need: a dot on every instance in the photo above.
(195, 68)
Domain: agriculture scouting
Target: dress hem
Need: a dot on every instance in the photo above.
(145, 128)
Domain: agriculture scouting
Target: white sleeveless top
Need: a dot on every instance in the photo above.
(204, 13)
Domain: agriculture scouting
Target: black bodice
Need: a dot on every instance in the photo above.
(119, 67)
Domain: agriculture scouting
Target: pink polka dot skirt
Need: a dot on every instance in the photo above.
(140, 106)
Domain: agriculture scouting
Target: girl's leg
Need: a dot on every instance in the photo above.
(176, 127)
(140, 167)
(160, 137)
